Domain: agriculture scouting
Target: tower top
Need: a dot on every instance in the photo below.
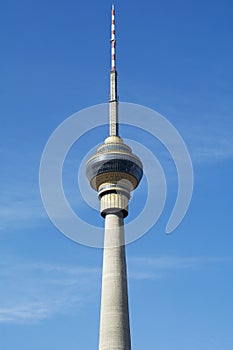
(113, 40)
(113, 102)
(114, 167)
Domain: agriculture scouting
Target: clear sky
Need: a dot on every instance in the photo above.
(174, 57)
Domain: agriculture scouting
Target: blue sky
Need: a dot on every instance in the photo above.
(172, 56)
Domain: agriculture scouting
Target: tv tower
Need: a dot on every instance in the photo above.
(114, 171)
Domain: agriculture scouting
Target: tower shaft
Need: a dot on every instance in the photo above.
(114, 317)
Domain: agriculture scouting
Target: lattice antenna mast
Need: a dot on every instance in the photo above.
(113, 102)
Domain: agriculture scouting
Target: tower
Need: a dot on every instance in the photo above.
(114, 171)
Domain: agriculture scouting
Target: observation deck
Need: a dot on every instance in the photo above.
(114, 171)
(112, 163)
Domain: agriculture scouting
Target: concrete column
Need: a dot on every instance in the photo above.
(113, 105)
(114, 315)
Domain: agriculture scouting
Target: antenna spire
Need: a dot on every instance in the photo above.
(113, 103)
(113, 39)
